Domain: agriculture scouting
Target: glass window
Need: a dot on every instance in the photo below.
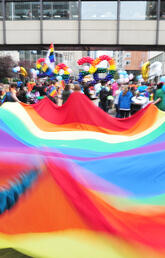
(138, 10)
(47, 10)
(22, 10)
(1, 14)
(62, 10)
(162, 10)
(127, 62)
(100, 10)
(128, 54)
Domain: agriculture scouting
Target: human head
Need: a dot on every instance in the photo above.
(159, 85)
(13, 86)
(67, 87)
(125, 89)
(103, 83)
(77, 88)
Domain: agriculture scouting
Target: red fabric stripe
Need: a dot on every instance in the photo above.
(71, 112)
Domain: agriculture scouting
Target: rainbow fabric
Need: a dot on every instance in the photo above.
(100, 190)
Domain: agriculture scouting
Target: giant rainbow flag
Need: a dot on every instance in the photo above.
(77, 183)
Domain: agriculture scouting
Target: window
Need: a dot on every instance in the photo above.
(22, 10)
(128, 55)
(127, 62)
(61, 10)
(100, 10)
(138, 10)
(162, 10)
(1, 14)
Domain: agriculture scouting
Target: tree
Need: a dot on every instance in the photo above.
(116, 76)
(6, 66)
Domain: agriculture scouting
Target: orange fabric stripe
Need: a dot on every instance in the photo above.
(43, 208)
(146, 121)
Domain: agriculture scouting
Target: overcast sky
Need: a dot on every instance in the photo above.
(104, 10)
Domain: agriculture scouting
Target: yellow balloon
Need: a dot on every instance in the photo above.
(145, 70)
(66, 72)
(23, 71)
(92, 69)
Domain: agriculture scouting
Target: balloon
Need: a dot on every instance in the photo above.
(23, 71)
(59, 78)
(155, 69)
(145, 70)
(16, 69)
(126, 80)
(162, 79)
(130, 76)
(86, 68)
(70, 70)
(61, 72)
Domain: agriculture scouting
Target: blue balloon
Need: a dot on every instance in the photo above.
(59, 78)
(162, 79)
(14, 70)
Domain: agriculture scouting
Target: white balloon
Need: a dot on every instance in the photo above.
(155, 69)
(86, 68)
(126, 80)
(121, 76)
(61, 72)
(70, 70)
(130, 76)
(17, 68)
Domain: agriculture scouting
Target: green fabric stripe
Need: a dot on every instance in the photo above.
(22, 132)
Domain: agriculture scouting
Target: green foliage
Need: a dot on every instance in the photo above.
(5, 81)
(6, 66)
(116, 75)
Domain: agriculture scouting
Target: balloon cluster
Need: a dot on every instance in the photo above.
(21, 70)
(39, 63)
(124, 77)
(140, 78)
(61, 71)
(94, 70)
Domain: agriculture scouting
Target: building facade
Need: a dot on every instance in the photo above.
(77, 24)
(133, 60)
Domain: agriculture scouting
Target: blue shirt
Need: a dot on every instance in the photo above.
(125, 101)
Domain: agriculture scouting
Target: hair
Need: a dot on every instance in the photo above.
(13, 85)
(103, 82)
(159, 85)
(67, 87)
(77, 88)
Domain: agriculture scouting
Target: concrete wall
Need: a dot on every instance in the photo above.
(60, 32)
(92, 32)
(23, 32)
(162, 33)
(1, 32)
(98, 32)
(137, 32)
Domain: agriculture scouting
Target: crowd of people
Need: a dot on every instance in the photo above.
(110, 96)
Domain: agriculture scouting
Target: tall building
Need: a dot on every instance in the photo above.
(133, 60)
